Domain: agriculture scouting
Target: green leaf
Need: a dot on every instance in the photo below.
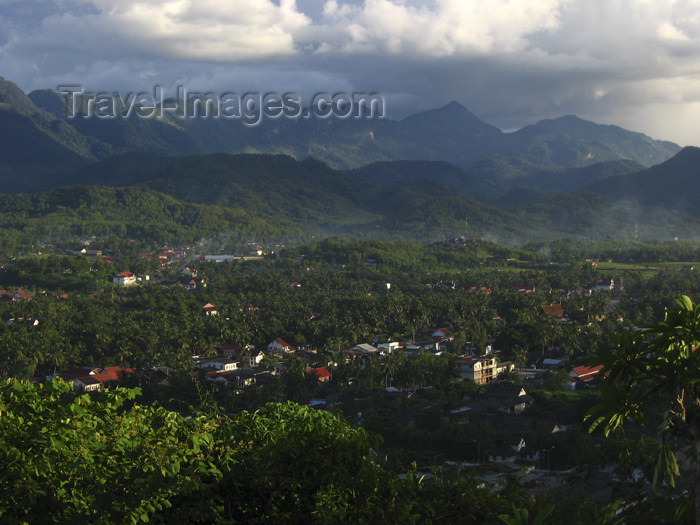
(686, 303)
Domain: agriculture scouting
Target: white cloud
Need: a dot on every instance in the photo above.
(509, 60)
(436, 29)
(179, 29)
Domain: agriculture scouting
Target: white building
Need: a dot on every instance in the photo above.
(124, 279)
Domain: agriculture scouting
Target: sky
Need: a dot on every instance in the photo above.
(633, 63)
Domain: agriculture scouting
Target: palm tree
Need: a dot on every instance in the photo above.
(662, 364)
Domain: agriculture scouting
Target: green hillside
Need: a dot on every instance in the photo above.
(572, 179)
(674, 184)
(398, 173)
(568, 142)
(283, 197)
(60, 215)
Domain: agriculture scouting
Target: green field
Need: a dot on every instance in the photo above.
(646, 269)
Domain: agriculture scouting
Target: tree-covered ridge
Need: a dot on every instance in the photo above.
(672, 184)
(25, 129)
(275, 185)
(422, 208)
(573, 179)
(568, 142)
(61, 215)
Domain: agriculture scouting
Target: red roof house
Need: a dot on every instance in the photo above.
(321, 373)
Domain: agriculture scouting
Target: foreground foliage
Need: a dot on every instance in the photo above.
(653, 388)
(106, 459)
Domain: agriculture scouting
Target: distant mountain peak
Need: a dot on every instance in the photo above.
(687, 159)
(688, 152)
(455, 119)
(454, 105)
(450, 110)
(565, 122)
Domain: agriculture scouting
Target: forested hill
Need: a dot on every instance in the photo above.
(275, 197)
(60, 215)
(259, 196)
(399, 173)
(674, 184)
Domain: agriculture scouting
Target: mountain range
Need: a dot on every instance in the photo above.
(421, 177)
(451, 133)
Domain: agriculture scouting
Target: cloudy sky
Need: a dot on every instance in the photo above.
(635, 63)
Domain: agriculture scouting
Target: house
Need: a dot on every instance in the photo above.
(256, 357)
(361, 350)
(580, 375)
(89, 379)
(322, 374)
(442, 333)
(512, 399)
(502, 368)
(525, 289)
(230, 349)
(551, 363)
(86, 384)
(90, 253)
(224, 364)
(515, 452)
(74, 373)
(21, 295)
(280, 345)
(463, 240)
(159, 374)
(217, 258)
(604, 285)
(442, 285)
(111, 375)
(481, 370)
(295, 284)
(238, 378)
(29, 321)
(559, 428)
(210, 309)
(388, 348)
(124, 279)
(243, 377)
(250, 307)
(553, 310)
(189, 272)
